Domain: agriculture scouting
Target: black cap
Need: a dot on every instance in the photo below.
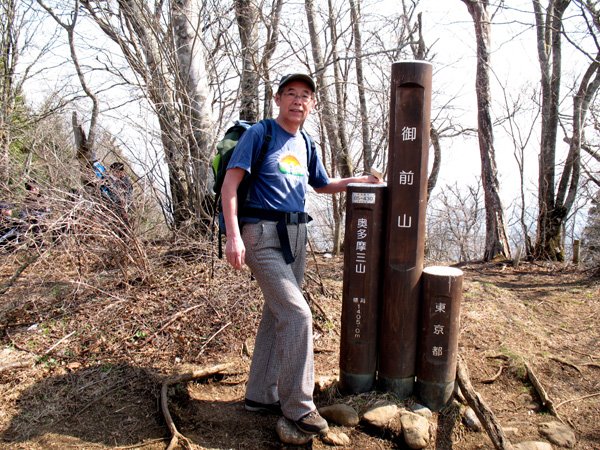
(296, 76)
(117, 166)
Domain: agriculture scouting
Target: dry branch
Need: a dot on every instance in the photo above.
(546, 401)
(168, 323)
(320, 282)
(28, 261)
(17, 365)
(578, 398)
(164, 400)
(483, 412)
(212, 337)
(320, 308)
(31, 362)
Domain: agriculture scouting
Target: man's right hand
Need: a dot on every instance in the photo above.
(235, 250)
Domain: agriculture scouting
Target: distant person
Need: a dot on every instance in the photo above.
(119, 190)
(34, 209)
(9, 226)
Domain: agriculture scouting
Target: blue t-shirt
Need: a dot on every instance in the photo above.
(286, 171)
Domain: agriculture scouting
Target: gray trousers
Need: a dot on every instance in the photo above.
(282, 364)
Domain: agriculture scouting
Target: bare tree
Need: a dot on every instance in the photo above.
(332, 124)
(272, 29)
(454, 226)
(360, 81)
(246, 12)
(521, 135)
(166, 56)
(19, 25)
(549, 29)
(496, 241)
(556, 201)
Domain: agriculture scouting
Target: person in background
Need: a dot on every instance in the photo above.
(119, 190)
(34, 210)
(272, 242)
(9, 226)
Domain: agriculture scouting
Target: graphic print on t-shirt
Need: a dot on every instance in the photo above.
(289, 165)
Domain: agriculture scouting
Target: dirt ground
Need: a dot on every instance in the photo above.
(95, 349)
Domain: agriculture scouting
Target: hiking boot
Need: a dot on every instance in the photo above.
(271, 408)
(312, 423)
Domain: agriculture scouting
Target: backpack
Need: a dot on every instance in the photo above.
(225, 149)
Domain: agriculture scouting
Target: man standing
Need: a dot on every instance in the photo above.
(272, 243)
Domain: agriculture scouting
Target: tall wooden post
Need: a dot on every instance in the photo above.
(410, 111)
(362, 287)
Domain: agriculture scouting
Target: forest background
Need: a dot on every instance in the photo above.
(101, 302)
(156, 84)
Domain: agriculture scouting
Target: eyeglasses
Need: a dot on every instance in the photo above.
(304, 98)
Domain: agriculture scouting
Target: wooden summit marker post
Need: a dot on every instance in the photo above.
(362, 287)
(438, 341)
(410, 110)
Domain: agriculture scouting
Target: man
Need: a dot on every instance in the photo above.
(273, 244)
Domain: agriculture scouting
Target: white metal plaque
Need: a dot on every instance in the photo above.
(363, 197)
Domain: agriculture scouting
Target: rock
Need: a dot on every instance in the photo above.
(323, 383)
(471, 420)
(511, 432)
(559, 434)
(415, 429)
(381, 415)
(532, 445)
(338, 439)
(341, 414)
(421, 410)
(290, 434)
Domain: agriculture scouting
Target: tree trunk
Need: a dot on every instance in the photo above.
(9, 56)
(197, 114)
(437, 160)
(496, 242)
(548, 26)
(343, 161)
(339, 148)
(247, 19)
(360, 80)
(272, 38)
(148, 46)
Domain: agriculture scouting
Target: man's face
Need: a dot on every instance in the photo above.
(295, 102)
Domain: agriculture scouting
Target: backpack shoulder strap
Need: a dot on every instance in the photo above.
(265, 146)
(311, 147)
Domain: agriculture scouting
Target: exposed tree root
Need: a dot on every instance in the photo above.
(495, 377)
(483, 412)
(546, 401)
(566, 363)
(164, 400)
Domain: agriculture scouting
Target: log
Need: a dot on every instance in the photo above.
(484, 413)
